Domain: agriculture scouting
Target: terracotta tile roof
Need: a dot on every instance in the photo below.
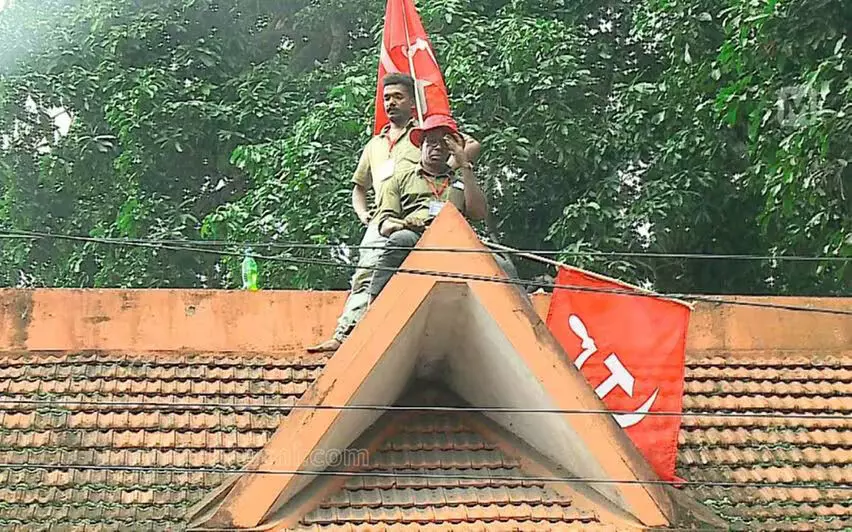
(436, 445)
(222, 438)
(790, 450)
(120, 436)
(727, 449)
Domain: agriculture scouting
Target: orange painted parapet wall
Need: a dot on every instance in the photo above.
(287, 321)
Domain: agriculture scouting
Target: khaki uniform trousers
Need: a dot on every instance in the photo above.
(359, 294)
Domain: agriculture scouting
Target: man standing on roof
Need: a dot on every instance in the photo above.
(413, 198)
(386, 154)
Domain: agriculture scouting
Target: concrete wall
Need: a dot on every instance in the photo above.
(164, 320)
(287, 321)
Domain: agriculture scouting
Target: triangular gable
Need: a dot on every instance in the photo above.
(486, 342)
(426, 452)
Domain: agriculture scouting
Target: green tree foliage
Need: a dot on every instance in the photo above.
(660, 126)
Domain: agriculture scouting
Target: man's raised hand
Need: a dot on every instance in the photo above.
(456, 149)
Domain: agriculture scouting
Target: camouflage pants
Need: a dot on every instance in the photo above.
(359, 294)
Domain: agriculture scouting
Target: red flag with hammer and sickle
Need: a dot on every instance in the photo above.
(406, 45)
(630, 349)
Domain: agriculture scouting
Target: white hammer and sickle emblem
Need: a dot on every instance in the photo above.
(619, 377)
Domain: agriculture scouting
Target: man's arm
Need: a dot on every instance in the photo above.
(362, 181)
(359, 203)
(388, 217)
(476, 204)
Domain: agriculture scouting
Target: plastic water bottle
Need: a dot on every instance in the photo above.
(249, 271)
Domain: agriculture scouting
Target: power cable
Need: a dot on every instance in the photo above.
(461, 276)
(432, 476)
(154, 405)
(450, 275)
(543, 252)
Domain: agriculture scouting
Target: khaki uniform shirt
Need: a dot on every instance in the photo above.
(380, 159)
(415, 193)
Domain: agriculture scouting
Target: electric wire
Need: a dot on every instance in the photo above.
(543, 252)
(451, 275)
(155, 405)
(428, 476)
(180, 246)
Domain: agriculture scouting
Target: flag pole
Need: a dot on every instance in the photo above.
(417, 98)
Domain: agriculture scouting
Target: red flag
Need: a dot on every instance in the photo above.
(405, 44)
(631, 350)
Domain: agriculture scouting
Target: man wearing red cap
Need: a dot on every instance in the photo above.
(411, 199)
(386, 154)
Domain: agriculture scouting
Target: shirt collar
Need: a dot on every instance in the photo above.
(412, 122)
(423, 173)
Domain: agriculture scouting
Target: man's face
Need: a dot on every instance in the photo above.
(398, 103)
(433, 149)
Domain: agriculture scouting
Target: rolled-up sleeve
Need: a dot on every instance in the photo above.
(363, 176)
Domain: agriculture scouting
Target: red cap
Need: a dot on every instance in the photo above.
(433, 122)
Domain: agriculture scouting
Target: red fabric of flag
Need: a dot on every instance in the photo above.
(631, 351)
(405, 36)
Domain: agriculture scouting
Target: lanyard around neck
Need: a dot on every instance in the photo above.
(438, 192)
(392, 143)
